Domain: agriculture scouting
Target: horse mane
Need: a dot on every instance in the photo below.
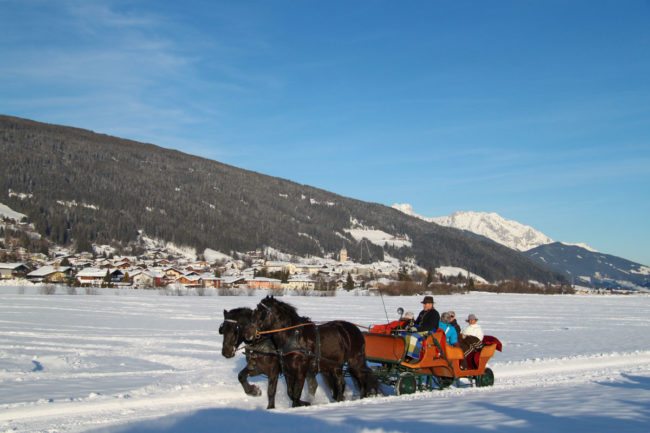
(238, 313)
(284, 309)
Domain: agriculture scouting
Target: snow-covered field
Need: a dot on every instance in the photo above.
(136, 361)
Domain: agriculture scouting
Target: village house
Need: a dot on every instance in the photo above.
(13, 270)
(50, 274)
(148, 278)
(280, 267)
(312, 269)
(122, 264)
(189, 281)
(209, 280)
(96, 276)
(172, 273)
(234, 281)
(299, 282)
(263, 283)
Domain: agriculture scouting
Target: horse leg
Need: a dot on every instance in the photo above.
(340, 384)
(249, 389)
(312, 384)
(298, 368)
(273, 375)
(336, 383)
(362, 374)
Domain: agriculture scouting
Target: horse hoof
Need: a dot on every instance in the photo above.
(271, 406)
(255, 391)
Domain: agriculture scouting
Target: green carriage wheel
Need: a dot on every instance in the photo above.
(406, 384)
(486, 379)
(444, 381)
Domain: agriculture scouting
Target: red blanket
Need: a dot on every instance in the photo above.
(474, 357)
(388, 327)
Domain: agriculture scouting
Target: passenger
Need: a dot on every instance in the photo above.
(428, 321)
(473, 329)
(429, 318)
(450, 332)
(471, 340)
(454, 322)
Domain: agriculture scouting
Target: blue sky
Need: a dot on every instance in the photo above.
(536, 110)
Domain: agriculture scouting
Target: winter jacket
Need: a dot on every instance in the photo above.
(456, 326)
(450, 333)
(427, 321)
(474, 331)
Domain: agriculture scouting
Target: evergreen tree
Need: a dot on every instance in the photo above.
(429, 278)
(402, 274)
(349, 283)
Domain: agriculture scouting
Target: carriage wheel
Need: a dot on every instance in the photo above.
(444, 381)
(406, 384)
(486, 379)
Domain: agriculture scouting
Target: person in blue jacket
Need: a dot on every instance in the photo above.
(448, 328)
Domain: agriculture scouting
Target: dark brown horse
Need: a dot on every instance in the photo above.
(262, 357)
(306, 346)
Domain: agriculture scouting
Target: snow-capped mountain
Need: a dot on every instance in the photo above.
(510, 233)
(585, 267)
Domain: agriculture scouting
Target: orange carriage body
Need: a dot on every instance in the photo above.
(436, 358)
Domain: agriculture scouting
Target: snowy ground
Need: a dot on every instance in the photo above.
(140, 362)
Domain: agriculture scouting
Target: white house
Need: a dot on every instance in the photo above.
(300, 282)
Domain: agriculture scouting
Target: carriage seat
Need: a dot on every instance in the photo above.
(454, 353)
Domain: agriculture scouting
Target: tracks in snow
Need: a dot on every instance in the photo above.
(510, 376)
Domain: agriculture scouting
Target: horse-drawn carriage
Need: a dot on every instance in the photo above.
(279, 341)
(437, 367)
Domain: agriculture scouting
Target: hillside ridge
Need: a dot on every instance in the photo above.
(79, 187)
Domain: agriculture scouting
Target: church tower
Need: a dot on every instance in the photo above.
(343, 255)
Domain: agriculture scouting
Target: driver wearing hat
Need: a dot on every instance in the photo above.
(429, 318)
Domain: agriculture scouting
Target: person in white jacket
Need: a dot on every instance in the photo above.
(473, 329)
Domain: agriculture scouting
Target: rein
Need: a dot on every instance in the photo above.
(273, 331)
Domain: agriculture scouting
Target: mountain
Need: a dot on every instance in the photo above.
(577, 262)
(590, 268)
(79, 187)
(493, 226)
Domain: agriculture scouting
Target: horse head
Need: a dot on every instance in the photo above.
(259, 318)
(232, 329)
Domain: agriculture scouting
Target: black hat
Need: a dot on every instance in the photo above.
(427, 300)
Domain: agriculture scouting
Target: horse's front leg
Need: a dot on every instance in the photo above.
(273, 374)
(249, 389)
(298, 371)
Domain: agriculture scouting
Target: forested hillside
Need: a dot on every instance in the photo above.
(80, 187)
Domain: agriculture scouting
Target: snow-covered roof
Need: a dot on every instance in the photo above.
(11, 265)
(48, 270)
(300, 279)
(230, 280)
(92, 272)
(189, 277)
(209, 277)
(96, 272)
